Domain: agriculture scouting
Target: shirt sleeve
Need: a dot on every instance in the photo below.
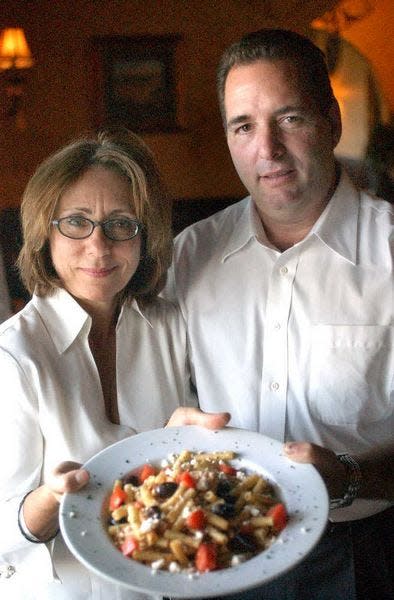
(21, 448)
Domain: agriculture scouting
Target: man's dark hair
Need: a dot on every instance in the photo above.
(280, 44)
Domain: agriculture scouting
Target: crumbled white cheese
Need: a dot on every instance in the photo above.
(148, 525)
(186, 512)
(198, 535)
(202, 484)
(157, 564)
(252, 510)
(173, 567)
(237, 559)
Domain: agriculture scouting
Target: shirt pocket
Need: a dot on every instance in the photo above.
(351, 373)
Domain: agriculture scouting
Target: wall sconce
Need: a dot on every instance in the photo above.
(15, 58)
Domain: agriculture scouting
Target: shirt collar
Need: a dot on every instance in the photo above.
(336, 227)
(247, 227)
(338, 224)
(65, 319)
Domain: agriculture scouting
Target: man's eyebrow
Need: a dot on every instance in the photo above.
(237, 120)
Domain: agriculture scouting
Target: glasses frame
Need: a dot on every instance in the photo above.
(57, 223)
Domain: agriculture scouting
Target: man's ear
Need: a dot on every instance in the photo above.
(334, 116)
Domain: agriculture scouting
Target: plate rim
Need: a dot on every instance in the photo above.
(193, 432)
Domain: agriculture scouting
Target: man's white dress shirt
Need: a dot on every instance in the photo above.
(297, 345)
(52, 410)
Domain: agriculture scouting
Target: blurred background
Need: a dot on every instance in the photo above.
(68, 67)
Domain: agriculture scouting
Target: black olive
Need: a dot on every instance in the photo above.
(112, 521)
(166, 489)
(153, 512)
(223, 488)
(229, 499)
(242, 542)
(133, 479)
(223, 509)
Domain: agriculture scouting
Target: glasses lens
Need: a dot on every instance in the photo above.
(120, 229)
(75, 227)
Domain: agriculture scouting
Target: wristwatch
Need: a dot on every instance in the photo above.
(354, 480)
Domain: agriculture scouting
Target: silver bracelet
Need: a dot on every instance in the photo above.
(23, 529)
(354, 481)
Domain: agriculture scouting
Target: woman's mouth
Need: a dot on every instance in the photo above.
(98, 273)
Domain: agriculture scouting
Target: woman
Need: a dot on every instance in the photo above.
(94, 357)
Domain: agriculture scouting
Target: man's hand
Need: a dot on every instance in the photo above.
(330, 468)
(194, 416)
(377, 468)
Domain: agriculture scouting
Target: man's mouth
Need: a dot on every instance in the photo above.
(277, 174)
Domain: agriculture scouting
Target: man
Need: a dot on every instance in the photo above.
(288, 297)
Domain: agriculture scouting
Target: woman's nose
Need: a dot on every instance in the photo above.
(98, 239)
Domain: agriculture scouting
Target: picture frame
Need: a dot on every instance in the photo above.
(136, 82)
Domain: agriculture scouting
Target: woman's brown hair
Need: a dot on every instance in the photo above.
(125, 153)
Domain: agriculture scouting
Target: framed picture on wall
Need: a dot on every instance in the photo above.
(136, 82)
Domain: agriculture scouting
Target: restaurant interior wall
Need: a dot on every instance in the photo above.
(61, 94)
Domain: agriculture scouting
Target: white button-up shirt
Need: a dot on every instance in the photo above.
(297, 345)
(52, 410)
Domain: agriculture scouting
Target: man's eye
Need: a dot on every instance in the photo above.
(245, 128)
(292, 120)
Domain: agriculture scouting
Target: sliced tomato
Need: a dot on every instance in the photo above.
(146, 471)
(279, 516)
(128, 546)
(227, 469)
(187, 479)
(117, 498)
(196, 519)
(206, 557)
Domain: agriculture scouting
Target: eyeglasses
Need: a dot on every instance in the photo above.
(79, 228)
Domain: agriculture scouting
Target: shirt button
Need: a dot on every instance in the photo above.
(277, 326)
(283, 270)
(275, 386)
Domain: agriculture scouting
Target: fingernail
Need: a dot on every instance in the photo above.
(290, 447)
(81, 476)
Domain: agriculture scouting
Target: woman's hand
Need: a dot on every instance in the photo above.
(185, 415)
(66, 477)
(330, 468)
(41, 507)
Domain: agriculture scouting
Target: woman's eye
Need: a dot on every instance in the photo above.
(76, 221)
(120, 223)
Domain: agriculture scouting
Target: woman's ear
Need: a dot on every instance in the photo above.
(334, 117)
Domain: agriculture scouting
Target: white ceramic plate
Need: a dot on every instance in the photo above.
(300, 487)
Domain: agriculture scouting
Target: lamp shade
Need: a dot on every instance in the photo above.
(14, 50)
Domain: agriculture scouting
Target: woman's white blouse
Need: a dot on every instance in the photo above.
(53, 410)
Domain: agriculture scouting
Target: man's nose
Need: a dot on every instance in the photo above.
(270, 145)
